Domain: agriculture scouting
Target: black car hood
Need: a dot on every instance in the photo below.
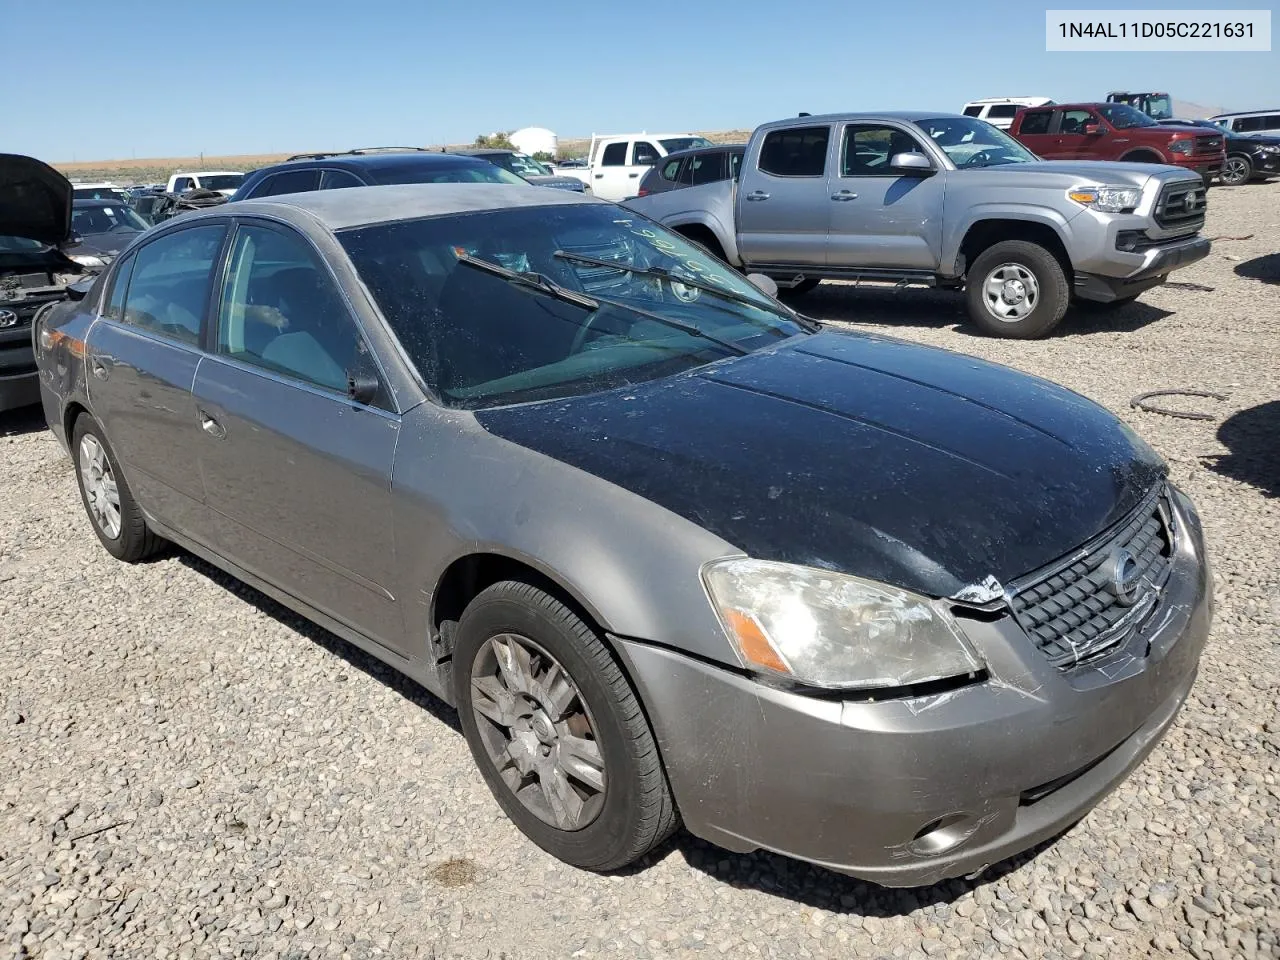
(35, 200)
(910, 465)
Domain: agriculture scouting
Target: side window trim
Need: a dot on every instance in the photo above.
(353, 315)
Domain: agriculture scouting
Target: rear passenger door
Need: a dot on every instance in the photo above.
(783, 208)
(609, 178)
(297, 475)
(142, 355)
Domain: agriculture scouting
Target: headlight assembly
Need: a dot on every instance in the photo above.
(833, 630)
(1182, 147)
(89, 261)
(1107, 199)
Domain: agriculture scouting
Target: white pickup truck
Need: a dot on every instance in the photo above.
(225, 182)
(617, 164)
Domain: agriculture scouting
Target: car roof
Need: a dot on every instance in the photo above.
(483, 151)
(374, 161)
(1246, 113)
(901, 116)
(362, 206)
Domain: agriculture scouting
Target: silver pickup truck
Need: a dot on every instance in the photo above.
(943, 200)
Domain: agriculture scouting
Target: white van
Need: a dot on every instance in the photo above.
(1265, 122)
(999, 111)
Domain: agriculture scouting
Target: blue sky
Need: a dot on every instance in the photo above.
(147, 78)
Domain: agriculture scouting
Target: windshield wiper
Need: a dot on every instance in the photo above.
(664, 274)
(544, 284)
(532, 280)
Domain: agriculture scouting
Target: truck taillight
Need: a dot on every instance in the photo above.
(643, 192)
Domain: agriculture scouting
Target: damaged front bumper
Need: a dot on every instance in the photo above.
(911, 791)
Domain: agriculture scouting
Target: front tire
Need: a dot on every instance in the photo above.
(113, 513)
(557, 731)
(1236, 171)
(1017, 289)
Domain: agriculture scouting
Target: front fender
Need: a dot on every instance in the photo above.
(1027, 212)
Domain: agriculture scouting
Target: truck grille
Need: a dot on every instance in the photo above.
(1078, 609)
(1181, 204)
(1208, 145)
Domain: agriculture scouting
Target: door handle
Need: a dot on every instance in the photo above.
(211, 426)
(633, 175)
(844, 195)
(599, 176)
(101, 368)
(757, 195)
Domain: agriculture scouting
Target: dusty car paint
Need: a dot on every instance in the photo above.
(383, 505)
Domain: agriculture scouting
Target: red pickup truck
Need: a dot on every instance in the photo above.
(1116, 131)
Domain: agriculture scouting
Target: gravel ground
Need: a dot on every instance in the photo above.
(190, 771)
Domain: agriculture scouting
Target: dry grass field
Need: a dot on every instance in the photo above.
(155, 169)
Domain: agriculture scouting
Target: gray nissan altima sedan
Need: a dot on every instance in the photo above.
(675, 553)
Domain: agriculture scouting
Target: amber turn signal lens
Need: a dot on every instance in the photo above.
(753, 643)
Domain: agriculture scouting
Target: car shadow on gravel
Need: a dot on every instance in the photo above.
(16, 423)
(940, 309)
(1253, 438)
(357, 658)
(824, 889)
(1265, 268)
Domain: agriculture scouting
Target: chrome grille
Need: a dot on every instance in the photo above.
(1181, 204)
(1073, 611)
(1211, 144)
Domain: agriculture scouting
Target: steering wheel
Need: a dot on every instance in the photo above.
(982, 155)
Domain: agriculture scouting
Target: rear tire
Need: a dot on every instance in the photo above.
(113, 513)
(550, 694)
(1236, 171)
(1017, 289)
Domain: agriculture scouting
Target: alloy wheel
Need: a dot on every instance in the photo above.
(1235, 171)
(100, 491)
(1010, 292)
(538, 732)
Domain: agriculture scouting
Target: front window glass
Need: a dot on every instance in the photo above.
(106, 218)
(644, 154)
(869, 149)
(973, 143)
(282, 312)
(480, 339)
(1124, 117)
(676, 144)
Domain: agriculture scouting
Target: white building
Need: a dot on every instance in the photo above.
(533, 140)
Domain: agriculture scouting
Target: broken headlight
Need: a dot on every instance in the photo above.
(833, 630)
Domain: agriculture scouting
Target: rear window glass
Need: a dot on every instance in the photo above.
(670, 170)
(973, 111)
(1003, 110)
(797, 152)
(615, 155)
(1036, 121)
(707, 168)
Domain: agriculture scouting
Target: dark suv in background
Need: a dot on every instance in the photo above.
(367, 167)
(1116, 131)
(1248, 157)
(690, 168)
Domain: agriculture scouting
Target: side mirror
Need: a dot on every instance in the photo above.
(1091, 129)
(763, 283)
(362, 387)
(912, 165)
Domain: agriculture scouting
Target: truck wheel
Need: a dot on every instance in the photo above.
(1017, 289)
(1235, 171)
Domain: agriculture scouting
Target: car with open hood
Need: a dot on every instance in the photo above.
(674, 551)
(37, 263)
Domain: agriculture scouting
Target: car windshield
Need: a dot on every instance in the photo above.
(674, 144)
(523, 164)
(974, 143)
(469, 171)
(1124, 117)
(221, 181)
(1159, 107)
(105, 218)
(505, 306)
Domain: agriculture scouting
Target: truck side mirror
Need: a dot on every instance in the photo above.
(912, 165)
(764, 284)
(1091, 129)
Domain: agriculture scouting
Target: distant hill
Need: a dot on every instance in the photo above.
(1186, 110)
